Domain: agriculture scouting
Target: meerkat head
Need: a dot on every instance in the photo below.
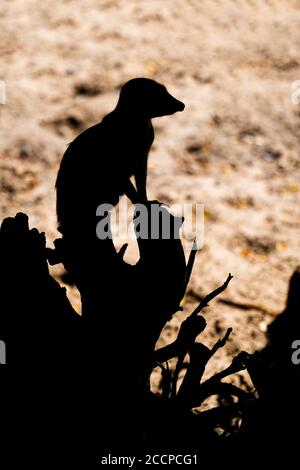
(146, 97)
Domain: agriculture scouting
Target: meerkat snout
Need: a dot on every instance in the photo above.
(149, 98)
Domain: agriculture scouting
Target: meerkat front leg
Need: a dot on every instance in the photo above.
(141, 179)
(133, 194)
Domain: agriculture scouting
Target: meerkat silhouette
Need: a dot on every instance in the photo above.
(97, 166)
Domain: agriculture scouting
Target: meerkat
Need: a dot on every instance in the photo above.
(97, 166)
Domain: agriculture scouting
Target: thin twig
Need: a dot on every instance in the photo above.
(190, 264)
(212, 295)
(178, 368)
(221, 342)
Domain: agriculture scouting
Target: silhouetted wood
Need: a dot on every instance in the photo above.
(46, 354)
(41, 328)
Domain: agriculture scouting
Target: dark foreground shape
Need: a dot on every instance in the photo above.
(80, 385)
(79, 391)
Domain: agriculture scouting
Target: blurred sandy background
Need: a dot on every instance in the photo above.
(235, 148)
